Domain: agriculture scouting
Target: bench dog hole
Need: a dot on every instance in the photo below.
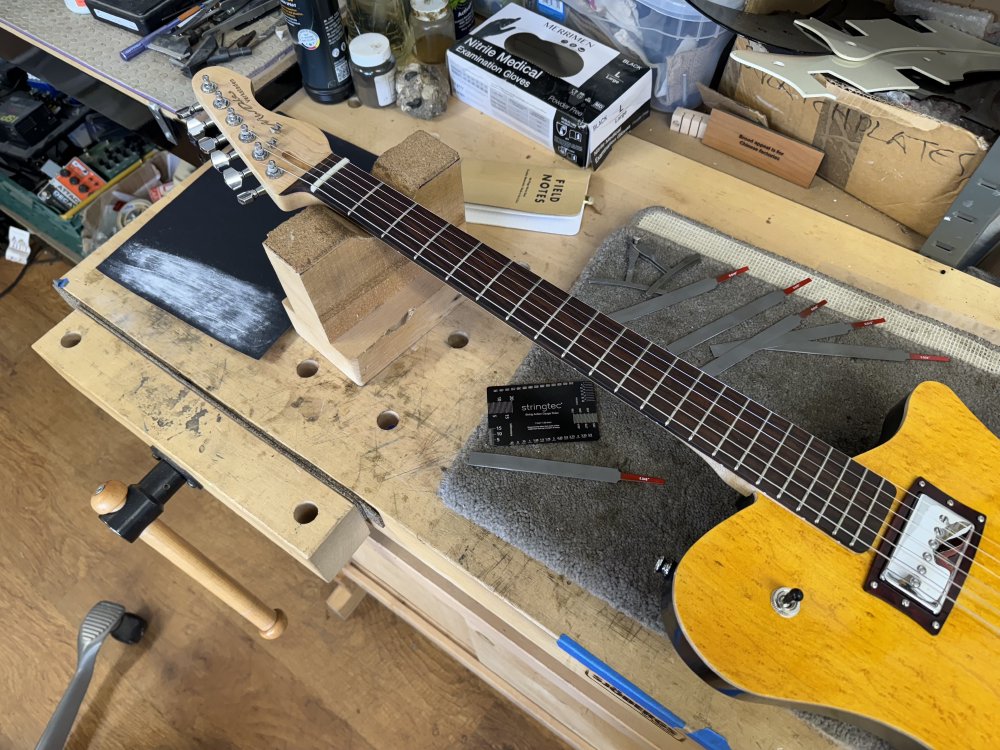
(69, 340)
(307, 368)
(457, 339)
(305, 513)
(387, 420)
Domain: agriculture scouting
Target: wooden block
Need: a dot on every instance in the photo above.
(345, 597)
(782, 156)
(357, 301)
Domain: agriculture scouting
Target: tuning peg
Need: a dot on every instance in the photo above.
(235, 178)
(249, 196)
(221, 159)
(209, 144)
(185, 112)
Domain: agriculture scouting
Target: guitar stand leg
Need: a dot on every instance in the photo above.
(132, 513)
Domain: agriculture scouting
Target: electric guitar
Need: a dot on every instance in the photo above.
(865, 588)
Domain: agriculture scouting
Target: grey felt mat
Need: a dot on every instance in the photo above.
(607, 537)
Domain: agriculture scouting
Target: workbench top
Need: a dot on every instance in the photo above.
(94, 47)
(328, 427)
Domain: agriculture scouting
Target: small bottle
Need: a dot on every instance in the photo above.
(321, 47)
(465, 18)
(373, 69)
(433, 30)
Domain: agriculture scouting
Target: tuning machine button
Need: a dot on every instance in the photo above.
(209, 144)
(232, 118)
(246, 134)
(221, 159)
(234, 178)
(196, 126)
(249, 196)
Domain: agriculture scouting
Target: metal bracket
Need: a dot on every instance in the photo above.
(165, 128)
(971, 228)
(145, 500)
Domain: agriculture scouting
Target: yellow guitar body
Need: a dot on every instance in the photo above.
(847, 651)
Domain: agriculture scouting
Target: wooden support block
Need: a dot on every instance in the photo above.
(775, 153)
(355, 300)
(345, 597)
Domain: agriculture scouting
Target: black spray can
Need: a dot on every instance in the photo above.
(321, 46)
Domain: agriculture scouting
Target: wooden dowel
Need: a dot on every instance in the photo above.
(271, 623)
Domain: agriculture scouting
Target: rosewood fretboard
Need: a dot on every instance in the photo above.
(823, 486)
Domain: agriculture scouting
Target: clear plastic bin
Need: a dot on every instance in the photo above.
(680, 45)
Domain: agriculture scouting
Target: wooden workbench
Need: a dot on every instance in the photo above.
(265, 441)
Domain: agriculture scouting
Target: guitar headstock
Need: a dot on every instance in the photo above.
(278, 151)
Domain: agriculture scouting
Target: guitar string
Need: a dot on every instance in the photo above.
(876, 503)
(846, 514)
(851, 474)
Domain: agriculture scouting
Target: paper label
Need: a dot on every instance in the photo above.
(18, 245)
(385, 88)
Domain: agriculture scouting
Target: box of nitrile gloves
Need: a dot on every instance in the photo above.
(550, 83)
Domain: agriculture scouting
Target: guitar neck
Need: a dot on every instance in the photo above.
(809, 477)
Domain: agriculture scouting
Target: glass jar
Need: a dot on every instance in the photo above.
(433, 30)
(386, 17)
(373, 69)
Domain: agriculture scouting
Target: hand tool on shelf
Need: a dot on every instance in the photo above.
(666, 299)
(755, 343)
(733, 319)
(557, 468)
(139, 47)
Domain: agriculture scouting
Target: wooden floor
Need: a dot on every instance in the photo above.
(200, 679)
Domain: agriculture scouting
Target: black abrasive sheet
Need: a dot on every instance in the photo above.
(202, 260)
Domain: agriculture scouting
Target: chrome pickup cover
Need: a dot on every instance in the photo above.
(926, 554)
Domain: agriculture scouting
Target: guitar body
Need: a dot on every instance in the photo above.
(847, 653)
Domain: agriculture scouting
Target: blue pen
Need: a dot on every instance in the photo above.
(134, 49)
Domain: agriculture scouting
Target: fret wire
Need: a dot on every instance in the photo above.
(464, 258)
(833, 491)
(684, 398)
(878, 490)
(579, 334)
(524, 297)
(753, 440)
(398, 218)
(658, 384)
(794, 468)
(705, 416)
(427, 244)
(731, 426)
(364, 198)
(605, 353)
(815, 479)
(777, 450)
(490, 282)
(849, 504)
(553, 316)
(632, 367)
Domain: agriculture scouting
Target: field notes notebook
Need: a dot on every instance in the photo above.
(524, 197)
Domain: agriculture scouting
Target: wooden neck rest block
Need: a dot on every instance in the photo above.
(358, 302)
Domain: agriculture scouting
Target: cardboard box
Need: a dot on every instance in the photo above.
(550, 83)
(906, 165)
